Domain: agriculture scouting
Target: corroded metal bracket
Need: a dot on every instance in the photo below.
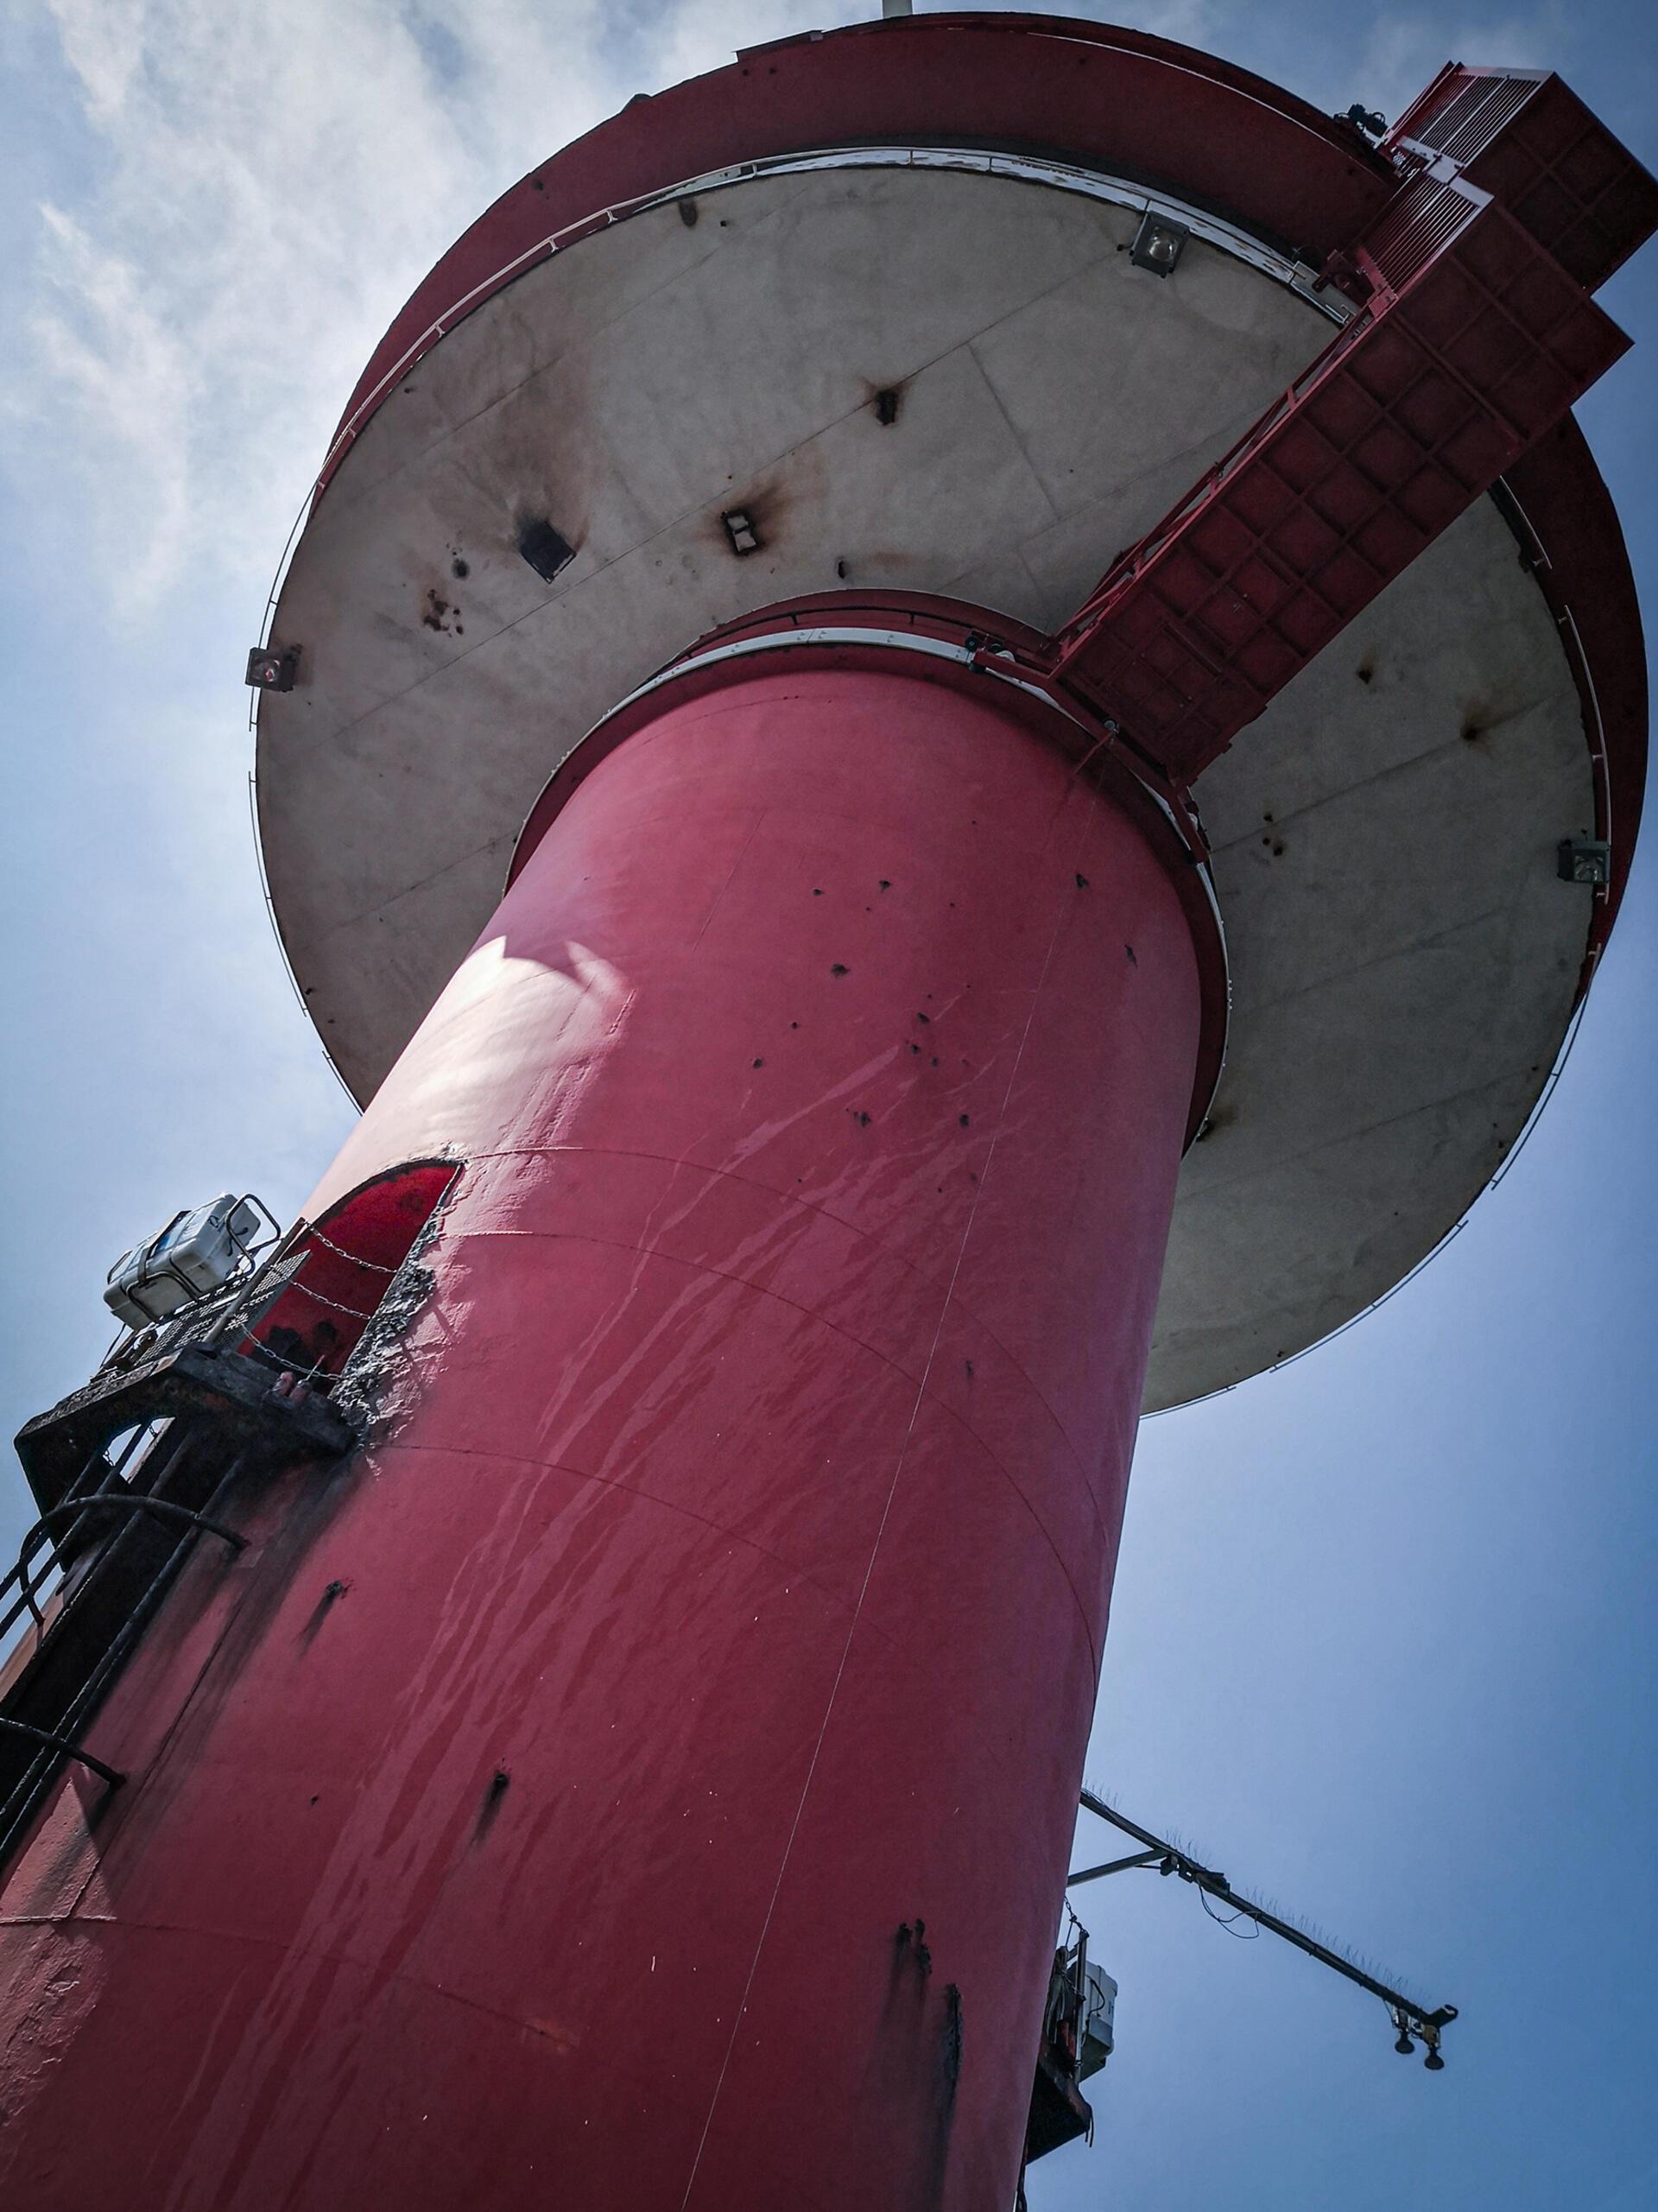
(238, 1392)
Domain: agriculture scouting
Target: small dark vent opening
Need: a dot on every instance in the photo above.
(545, 549)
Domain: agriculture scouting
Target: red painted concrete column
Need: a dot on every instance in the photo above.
(725, 1591)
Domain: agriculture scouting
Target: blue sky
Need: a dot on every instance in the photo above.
(1383, 1638)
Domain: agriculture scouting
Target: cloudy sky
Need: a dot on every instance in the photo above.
(1383, 1640)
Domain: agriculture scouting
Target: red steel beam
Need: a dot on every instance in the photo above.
(1471, 342)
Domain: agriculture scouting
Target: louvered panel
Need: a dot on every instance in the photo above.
(1530, 142)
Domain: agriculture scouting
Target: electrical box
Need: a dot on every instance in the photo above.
(1098, 2019)
(194, 1255)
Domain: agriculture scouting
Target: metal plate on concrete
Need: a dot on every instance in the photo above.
(1392, 818)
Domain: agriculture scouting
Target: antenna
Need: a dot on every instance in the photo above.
(1408, 2016)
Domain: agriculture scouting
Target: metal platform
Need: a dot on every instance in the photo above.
(235, 1393)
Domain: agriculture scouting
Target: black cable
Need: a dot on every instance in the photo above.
(1230, 1926)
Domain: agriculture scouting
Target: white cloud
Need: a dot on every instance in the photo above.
(273, 180)
(110, 367)
(103, 43)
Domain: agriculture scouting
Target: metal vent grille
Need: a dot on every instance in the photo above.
(1423, 220)
(1474, 115)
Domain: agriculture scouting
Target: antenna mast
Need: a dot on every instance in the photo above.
(1408, 2018)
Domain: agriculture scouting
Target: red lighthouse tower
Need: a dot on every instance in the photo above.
(957, 721)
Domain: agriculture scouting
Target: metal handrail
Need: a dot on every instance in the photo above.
(110, 1774)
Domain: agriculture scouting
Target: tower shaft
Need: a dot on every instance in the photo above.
(669, 1808)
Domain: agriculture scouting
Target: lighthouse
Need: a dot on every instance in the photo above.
(954, 728)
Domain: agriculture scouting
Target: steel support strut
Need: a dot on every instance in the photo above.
(1410, 2018)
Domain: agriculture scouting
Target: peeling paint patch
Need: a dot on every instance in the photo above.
(52, 1991)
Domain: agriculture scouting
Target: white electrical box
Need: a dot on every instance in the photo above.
(194, 1255)
(1098, 2022)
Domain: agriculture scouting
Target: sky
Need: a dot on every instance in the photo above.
(1382, 1644)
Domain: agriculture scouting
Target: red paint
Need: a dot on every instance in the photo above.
(347, 1262)
(530, 1814)
(749, 1499)
(820, 630)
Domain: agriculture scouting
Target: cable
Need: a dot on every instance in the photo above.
(1230, 1926)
